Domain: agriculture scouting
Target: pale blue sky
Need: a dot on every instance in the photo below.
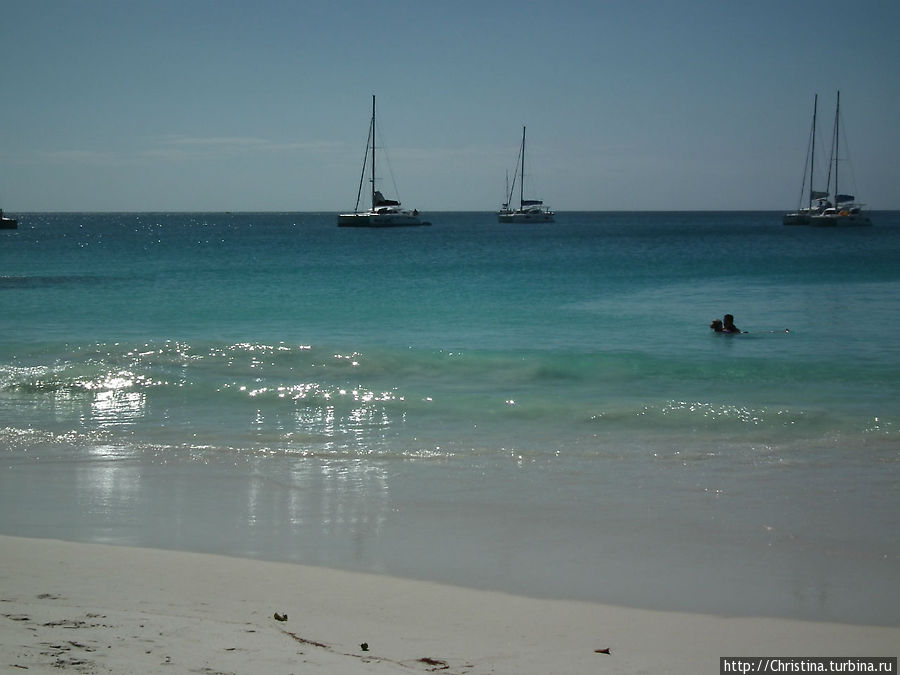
(191, 105)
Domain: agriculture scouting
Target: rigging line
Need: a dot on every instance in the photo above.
(362, 176)
(832, 157)
(533, 178)
(846, 157)
(820, 152)
(809, 142)
(387, 160)
(512, 188)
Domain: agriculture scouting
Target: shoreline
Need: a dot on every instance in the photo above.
(103, 608)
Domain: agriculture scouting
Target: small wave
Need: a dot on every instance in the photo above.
(44, 281)
(704, 413)
(70, 378)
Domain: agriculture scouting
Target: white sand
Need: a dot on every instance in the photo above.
(105, 609)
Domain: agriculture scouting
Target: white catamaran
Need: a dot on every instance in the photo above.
(845, 211)
(530, 210)
(383, 212)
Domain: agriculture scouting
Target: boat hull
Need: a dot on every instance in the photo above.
(795, 219)
(380, 220)
(538, 217)
(9, 224)
(841, 220)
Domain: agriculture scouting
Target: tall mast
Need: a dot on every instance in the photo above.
(506, 192)
(812, 156)
(837, 145)
(373, 152)
(522, 183)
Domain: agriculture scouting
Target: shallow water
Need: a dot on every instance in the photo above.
(538, 409)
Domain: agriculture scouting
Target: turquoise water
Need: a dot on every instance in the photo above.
(540, 409)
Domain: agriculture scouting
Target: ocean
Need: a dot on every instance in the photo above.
(538, 409)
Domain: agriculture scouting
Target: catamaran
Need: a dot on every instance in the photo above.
(530, 210)
(383, 212)
(845, 211)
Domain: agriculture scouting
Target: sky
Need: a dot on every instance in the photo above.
(264, 105)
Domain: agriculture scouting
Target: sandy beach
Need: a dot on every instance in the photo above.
(108, 609)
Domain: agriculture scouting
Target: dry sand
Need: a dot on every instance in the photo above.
(106, 609)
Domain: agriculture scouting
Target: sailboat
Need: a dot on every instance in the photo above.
(530, 210)
(802, 215)
(383, 212)
(8, 223)
(845, 211)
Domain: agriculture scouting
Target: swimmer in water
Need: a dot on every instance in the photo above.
(728, 325)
